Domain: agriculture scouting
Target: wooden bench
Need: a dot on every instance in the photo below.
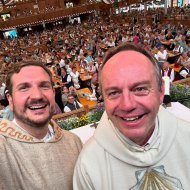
(79, 112)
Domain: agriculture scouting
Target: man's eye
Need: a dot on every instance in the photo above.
(47, 86)
(112, 95)
(141, 91)
(23, 88)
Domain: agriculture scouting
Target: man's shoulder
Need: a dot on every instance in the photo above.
(3, 121)
(69, 136)
(6, 127)
(71, 140)
(184, 125)
(91, 149)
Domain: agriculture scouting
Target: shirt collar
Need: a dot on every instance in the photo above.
(49, 136)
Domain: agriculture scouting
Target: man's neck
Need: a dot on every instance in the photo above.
(36, 132)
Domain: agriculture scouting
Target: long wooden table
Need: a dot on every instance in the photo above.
(83, 100)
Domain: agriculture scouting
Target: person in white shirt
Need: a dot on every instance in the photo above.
(65, 78)
(62, 62)
(72, 104)
(93, 95)
(183, 58)
(168, 71)
(177, 49)
(90, 67)
(162, 54)
(185, 70)
(75, 77)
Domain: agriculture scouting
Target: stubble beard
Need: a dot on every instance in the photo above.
(31, 122)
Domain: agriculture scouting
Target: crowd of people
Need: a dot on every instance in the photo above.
(68, 50)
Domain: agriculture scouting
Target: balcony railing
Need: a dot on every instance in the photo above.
(50, 16)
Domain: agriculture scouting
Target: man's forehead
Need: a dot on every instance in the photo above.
(126, 53)
(31, 73)
(30, 70)
(125, 66)
(125, 57)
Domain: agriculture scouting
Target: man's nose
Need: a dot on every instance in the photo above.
(36, 93)
(127, 101)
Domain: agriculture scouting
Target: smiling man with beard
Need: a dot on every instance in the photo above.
(35, 152)
(138, 145)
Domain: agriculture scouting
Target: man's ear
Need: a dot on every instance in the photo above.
(9, 98)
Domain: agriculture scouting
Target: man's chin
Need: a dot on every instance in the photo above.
(37, 123)
(40, 119)
(34, 121)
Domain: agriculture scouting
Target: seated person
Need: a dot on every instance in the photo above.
(172, 45)
(73, 91)
(99, 94)
(58, 100)
(6, 112)
(65, 78)
(167, 98)
(183, 43)
(64, 97)
(89, 57)
(58, 70)
(91, 69)
(158, 44)
(75, 76)
(162, 54)
(93, 95)
(177, 49)
(183, 58)
(72, 104)
(188, 46)
(185, 71)
(146, 45)
(168, 71)
(169, 35)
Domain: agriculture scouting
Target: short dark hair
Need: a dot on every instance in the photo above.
(70, 95)
(132, 47)
(18, 66)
